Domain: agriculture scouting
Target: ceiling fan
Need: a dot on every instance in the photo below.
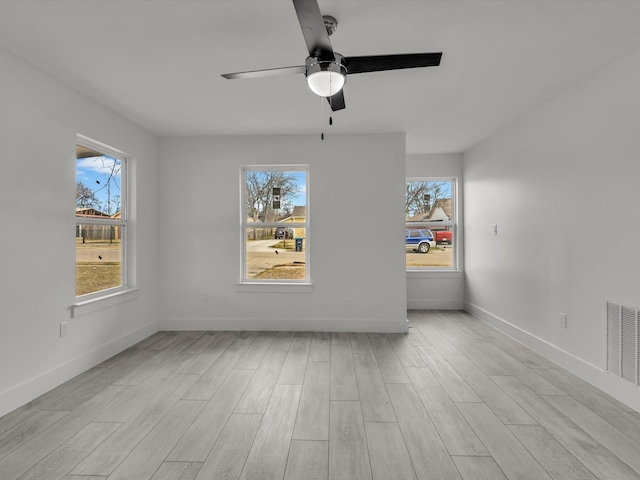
(325, 70)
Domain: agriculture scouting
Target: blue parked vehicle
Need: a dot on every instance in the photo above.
(420, 240)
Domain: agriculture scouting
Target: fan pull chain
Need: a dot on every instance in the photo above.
(322, 109)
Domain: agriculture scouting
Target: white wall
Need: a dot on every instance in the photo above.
(562, 186)
(39, 120)
(355, 239)
(438, 290)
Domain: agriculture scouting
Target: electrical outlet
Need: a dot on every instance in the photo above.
(563, 320)
(64, 329)
(349, 302)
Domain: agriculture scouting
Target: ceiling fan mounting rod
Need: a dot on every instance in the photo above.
(330, 23)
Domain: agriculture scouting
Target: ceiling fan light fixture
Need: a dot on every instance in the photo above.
(326, 78)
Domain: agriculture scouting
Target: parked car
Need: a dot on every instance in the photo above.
(420, 240)
(282, 232)
(443, 236)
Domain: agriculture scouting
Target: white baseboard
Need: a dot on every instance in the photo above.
(619, 389)
(287, 324)
(437, 304)
(34, 387)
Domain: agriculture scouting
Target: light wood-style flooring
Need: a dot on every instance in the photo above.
(452, 399)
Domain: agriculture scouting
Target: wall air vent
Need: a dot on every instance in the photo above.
(623, 342)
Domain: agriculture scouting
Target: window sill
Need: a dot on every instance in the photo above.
(274, 287)
(435, 273)
(93, 304)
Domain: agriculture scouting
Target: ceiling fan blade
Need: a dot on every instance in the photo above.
(337, 101)
(313, 29)
(272, 72)
(377, 63)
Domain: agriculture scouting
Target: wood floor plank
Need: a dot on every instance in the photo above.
(455, 386)
(320, 347)
(229, 453)
(596, 402)
(435, 338)
(151, 452)
(11, 419)
(62, 460)
(312, 421)
(169, 355)
(267, 458)
(593, 455)
(96, 385)
(257, 394)
(104, 459)
(340, 339)
(506, 409)
(211, 380)
(252, 357)
(360, 343)
(199, 438)
(480, 406)
(457, 435)
(483, 361)
(158, 383)
(29, 453)
(199, 344)
(390, 366)
(296, 362)
(388, 452)
(606, 434)
(415, 337)
(177, 471)
(344, 385)
(348, 453)
(529, 377)
(281, 341)
(479, 468)
(514, 460)
(550, 453)
(27, 429)
(203, 360)
(374, 400)
(428, 454)
(308, 460)
(85, 477)
(407, 355)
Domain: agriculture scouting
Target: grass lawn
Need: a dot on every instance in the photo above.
(92, 277)
(288, 271)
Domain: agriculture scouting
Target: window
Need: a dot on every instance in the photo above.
(430, 212)
(275, 224)
(101, 218)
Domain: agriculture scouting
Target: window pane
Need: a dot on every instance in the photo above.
(272, 196)
(429, 201)
(271, 258)
(98, 181)
(428, 247)
(98, 257)
(429, 215)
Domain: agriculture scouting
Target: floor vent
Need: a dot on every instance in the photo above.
(623, 342)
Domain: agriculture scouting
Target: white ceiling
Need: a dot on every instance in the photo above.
(159, 62)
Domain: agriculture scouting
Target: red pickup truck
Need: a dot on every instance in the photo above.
(443, 236)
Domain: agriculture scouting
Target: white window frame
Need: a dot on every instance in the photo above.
(244, 225)
(452, 224)
(122, 222)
